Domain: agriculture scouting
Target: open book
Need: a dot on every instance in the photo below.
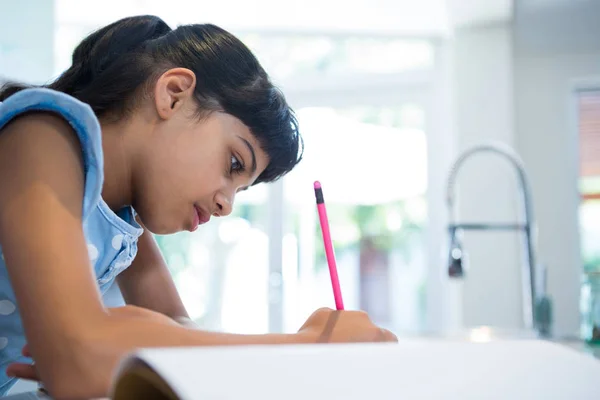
(412, 369)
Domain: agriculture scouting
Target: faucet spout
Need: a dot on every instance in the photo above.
(527, 228)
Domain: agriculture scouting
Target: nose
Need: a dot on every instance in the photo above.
(224, 205)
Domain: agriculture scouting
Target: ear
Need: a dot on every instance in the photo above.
(172, 90)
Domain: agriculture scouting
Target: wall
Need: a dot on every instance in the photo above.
(554, 46)
(490, 292)
(26, 54)
(513, 82)
(27, 40)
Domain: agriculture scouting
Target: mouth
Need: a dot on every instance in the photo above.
(200, 217)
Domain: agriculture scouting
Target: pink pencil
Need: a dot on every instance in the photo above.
(335, 282)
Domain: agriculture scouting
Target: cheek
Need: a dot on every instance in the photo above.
(207, 175)
(209, 182)
(192, 167)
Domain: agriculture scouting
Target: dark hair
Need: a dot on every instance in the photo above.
(112, 67)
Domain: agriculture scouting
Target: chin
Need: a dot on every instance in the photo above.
(163, 230)
(157, 227)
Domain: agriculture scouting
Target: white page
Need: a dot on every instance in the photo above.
(411, 369)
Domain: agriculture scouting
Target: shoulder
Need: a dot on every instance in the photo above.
(33, 113)
(43, 99)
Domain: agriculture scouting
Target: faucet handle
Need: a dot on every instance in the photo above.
(543, 315)
(455, 269)
(455, 259)
(455, 255)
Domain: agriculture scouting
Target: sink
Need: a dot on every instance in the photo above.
(579, 345)
(483, 334)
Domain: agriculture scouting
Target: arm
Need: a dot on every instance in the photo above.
(148, 283)
(76, 343)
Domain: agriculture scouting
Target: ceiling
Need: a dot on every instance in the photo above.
(478, 12)
(404, 17)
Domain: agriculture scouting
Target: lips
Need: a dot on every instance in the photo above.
(203, 217)
(199, 217)
(195, 221)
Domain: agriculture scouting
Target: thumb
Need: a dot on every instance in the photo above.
(387, 336)
(23, 371)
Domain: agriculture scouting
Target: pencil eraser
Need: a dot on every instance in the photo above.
(317, 185)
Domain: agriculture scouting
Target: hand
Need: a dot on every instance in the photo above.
(186, 322)
(330, 326)
(23, 370)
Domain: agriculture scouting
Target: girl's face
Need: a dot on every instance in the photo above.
(189, 168)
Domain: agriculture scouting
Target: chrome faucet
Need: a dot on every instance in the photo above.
(536, 306)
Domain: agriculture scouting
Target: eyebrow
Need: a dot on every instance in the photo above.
(251, 149)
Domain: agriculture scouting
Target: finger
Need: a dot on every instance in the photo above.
(323, 310)
(387, 336)
(23, 371)
(25, 351)
(329, 327)
(315, 317)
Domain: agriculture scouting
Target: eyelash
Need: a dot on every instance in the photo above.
(236, 169)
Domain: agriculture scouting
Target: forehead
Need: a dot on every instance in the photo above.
(234, 126)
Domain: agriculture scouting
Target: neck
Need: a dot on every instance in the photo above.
(117, 189)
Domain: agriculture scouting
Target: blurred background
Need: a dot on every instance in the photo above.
(388, 94)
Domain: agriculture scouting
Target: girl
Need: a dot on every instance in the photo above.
(151, 130)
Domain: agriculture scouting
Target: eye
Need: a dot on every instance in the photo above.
(236, 165)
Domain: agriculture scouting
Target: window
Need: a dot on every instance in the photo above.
(289, 56)
(221, 270)
(67, 37)
(369, 151)
(588, 103)
(372, 162)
